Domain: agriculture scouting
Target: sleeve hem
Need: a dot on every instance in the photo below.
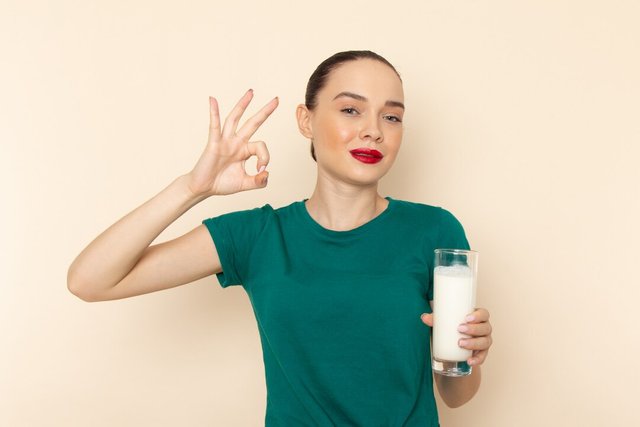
(224, 246)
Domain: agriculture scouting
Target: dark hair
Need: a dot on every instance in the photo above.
(319, 77)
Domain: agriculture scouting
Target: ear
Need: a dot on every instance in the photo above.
(303, 115)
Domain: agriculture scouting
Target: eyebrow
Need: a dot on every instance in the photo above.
(389, 103)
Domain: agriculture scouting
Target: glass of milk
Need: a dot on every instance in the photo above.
(454, 297)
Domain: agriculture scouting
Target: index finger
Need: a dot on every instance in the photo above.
(478, 316)
(251, 126)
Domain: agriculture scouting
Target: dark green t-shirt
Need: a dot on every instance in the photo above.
(339, 311)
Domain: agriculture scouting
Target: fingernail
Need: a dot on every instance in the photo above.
(265, 180)
(470, 318)
(463, 328)
(462, 343)
(263, 167)
(250, 91)
(472, 361)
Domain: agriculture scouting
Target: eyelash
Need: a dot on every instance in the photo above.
(395, 118)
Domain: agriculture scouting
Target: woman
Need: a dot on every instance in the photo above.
(340, 283)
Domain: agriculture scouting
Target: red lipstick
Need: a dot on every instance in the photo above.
(366, 155)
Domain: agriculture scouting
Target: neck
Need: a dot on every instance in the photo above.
(340, 206)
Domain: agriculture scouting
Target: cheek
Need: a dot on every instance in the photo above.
(334, 131)
(393, 144)
(340, 134)
(394, 138)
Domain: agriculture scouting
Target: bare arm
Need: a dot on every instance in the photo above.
(119, 263)
(455, 392)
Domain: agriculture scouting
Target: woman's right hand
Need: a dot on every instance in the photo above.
(220, 169)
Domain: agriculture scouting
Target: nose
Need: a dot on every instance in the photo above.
(371, 130)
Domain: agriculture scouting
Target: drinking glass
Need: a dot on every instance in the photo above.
(454, 297)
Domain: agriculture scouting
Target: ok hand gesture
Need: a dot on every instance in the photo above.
(220, 169)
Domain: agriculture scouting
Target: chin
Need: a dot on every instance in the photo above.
(365, 179)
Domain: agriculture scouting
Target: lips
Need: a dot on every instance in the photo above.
(366, 155)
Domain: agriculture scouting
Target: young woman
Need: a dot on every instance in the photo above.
(340, 283)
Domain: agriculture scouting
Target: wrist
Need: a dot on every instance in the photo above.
(187, 195)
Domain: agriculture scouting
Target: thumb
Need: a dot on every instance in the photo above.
(427, 319)
(262, 178)
(251, 182)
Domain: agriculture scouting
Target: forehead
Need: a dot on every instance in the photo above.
(370, 78)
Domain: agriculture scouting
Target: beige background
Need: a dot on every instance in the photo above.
(522, 120)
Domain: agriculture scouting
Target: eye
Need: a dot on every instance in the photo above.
(349, 110)
(395, 119)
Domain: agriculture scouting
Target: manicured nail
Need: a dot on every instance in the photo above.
(463, 328)
(462, 343)
(263, 167)
(470, 318)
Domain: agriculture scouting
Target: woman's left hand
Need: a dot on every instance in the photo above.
(478, 328)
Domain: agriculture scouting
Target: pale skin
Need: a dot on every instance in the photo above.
(359, 107)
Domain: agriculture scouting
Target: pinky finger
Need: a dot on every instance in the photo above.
(214, 119)
(478, 357)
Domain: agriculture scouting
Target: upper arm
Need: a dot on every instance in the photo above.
(182, 260)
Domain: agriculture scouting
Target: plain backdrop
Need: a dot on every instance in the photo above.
(522, 119)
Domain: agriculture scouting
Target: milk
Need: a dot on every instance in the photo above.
(454, 297)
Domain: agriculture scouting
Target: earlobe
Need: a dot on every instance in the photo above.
(304, 121)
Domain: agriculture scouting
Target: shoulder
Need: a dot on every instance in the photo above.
(243, 215)
(246, 223)
(424, 213)
(435, 222)
(257, 217)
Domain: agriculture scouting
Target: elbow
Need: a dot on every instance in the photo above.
(459, 399)
(79, 289)
(453, 404)
(455, 392)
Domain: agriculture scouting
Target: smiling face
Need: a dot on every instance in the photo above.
(356, 124)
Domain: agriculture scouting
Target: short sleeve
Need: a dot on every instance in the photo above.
(235, 235)
(451, 235)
